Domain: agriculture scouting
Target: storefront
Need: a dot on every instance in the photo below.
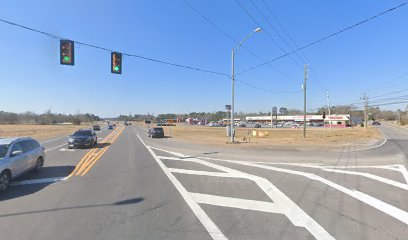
(333, 120)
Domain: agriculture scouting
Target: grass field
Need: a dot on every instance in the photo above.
(289, 138)
(40, 132)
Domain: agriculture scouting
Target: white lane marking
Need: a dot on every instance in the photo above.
(292, 211)
(67, 150)
(55, 147)
(37, 181)
(212, 229)
(404, 172)
(236, 203)
(363, 174)
(203, 173)
(315, 165)
(365, 149)
(386, 208)
(371, 176)
(52, 140)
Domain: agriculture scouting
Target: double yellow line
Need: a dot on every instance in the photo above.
(95, 154)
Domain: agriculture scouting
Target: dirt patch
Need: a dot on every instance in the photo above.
(283, 138)
(40, 132)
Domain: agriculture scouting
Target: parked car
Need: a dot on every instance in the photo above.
(257, 125)
(83, 138)
(376, 123)
(18, 156)
(242, 125)
(155, 132)
(96, 128)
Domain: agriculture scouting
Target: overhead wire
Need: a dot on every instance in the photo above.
(135, 55)
(266, 32)
(110, 50)
(326, 37)
(233, 40)
(388, 83)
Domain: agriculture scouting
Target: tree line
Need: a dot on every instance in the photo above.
(46, 118)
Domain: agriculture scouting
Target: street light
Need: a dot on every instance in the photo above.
(234, 50)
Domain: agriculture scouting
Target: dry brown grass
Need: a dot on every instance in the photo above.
(40, 132)
(315, 137)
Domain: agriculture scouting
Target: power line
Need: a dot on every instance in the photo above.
(390, 103)
(325, 38)
(273, 28)
(403, 90)
(402, 76)
(286, 33)
(110, 50)
(233, 40)
(302, 58)
(266, 32)
(141, 57)
(265, 89)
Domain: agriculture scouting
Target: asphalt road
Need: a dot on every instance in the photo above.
(134, 187)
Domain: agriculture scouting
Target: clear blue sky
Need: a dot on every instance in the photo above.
(348, 65)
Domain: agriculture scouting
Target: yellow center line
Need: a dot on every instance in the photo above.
(101, 153)
(87, 156)
(94, 155)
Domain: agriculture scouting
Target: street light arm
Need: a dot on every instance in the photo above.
(245, 38)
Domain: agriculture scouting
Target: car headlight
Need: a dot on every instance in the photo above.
(70, 140)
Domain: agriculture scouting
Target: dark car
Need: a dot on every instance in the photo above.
(96, 128)
(110, 127)
(83, 138)
(155, 132)
(257, 125)
(242, 125)
(376, 123)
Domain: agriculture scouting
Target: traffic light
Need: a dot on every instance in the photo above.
(67, 52)
(116, 63)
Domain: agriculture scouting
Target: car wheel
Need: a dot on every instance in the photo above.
(69, 147)
(4, 181)
(39, 164)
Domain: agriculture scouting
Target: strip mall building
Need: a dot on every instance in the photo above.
(335, 120)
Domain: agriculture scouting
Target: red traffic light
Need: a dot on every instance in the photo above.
(67, 52)
(116, 63)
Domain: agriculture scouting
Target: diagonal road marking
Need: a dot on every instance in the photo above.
(363, 174)
(236, 203)
(209, 225)
(292, 211)
(386, 208)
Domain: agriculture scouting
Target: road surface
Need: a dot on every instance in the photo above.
(134, 187)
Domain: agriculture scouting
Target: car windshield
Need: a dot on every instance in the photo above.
(83, 133)
(3, 150)
(158, 129)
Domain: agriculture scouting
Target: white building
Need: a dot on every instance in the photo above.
(335, 120)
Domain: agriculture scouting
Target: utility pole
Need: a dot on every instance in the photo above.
(232, 97)
(365, 98)
(272, 117)
(304, 102)
(328, 106)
